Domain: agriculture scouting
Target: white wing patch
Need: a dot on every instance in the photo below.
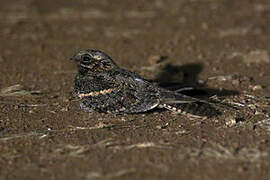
(96, 93)
(139, 80)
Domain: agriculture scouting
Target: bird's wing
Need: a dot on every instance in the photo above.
(172, 97)
(138, 94)
(132, 79)
(120, 90)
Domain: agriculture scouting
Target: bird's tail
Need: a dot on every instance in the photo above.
(183, 104)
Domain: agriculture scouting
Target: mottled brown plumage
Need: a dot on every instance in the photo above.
(102, 86)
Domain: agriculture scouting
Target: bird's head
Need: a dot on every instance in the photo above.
(93, 61)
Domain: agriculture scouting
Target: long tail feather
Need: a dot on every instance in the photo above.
(183, 104)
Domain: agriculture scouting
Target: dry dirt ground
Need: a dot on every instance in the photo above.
(220, 47)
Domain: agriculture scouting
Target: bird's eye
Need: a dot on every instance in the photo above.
(86, 59)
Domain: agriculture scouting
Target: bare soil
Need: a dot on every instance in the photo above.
(220, 47)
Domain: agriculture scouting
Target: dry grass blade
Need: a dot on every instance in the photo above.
(22, 105)
(74, 128)
(71, 150)
(17, 90)
(40, 135)
(65, 72)
(139, 146)
(220, 152)
(123, 172)
(264, 124)
(142, 145)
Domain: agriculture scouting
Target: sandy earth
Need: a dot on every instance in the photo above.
(220, 47)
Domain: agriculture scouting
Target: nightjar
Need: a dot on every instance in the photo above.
(102, 86)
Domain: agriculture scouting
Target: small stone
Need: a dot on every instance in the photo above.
(258, 113)
(101, 125)
(240, 170)
(201, 81)
(205, 26)
(193, 37)
(235, 82)
(162, 126)
(252, 106)
(200, 56)
(64, 109)
(123, 119)
(230, 121)
(66, 100)
(257, 87)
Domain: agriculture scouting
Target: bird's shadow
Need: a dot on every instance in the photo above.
(175, 77)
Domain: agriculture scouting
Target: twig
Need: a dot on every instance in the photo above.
(17, 90)
(23, 136)
(72, 128)
(22, 105)
(123, 172)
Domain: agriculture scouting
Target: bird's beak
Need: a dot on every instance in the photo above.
(76, 57)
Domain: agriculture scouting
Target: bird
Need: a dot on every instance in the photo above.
(104, 87)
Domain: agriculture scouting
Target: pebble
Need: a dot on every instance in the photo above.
(236, 82)
(257, 87)
(230, 121)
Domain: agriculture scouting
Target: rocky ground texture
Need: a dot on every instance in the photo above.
(219, 47)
